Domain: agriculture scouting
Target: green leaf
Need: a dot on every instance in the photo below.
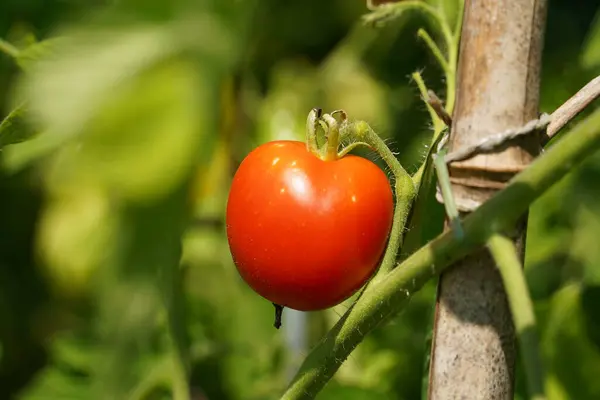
(70, 79)
(27, 57)
(82, 73)
(427, 214)
(14, 128)
(145, 140)
(76, 228)
(19, 156)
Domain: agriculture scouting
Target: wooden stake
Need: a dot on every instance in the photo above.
(473, 349)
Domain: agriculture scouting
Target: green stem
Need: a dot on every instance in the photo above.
(453, 49)
(312, 123)
(389, 11)
(351, 147)
(453, 44)
(404, 188)
(8, 49)
(444, 181)
(333, 138)
(174, 301)
(435, 50)
(438, 124)
(438, 128)
(386, 298)
(179, 382)
(446, 32)
(451, 78)
(179, 349)
(505, 255)
(459, 20)
(451, 86)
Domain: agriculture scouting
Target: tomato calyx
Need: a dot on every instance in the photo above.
(312, 125)
(334, 131)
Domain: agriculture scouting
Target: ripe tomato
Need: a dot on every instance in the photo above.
(306, 233)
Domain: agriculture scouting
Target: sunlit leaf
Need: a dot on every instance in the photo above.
(15, 128)
(19, 156)
(36, 51)
(74, 237)
(144, 142)
(67, 87)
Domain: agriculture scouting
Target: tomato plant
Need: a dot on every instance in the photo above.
(307, 232)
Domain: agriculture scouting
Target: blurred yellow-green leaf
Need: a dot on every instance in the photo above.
(14, 128)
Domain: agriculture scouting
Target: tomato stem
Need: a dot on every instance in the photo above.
(351, 147)
(403, 185)
(312, 124)
(278, 314)
(507, 258)
(333, 138)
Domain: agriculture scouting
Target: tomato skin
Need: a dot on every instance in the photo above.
(306, 233)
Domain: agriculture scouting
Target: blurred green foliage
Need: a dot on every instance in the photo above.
(124, 122)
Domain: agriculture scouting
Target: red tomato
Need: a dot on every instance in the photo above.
(306, 233)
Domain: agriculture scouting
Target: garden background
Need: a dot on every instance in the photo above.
(139, 111)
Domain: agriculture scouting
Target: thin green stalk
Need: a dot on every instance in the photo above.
(459, 20)
(389, 11)
(453, 44)
(439, 18)
(351, 147)
(333, 139)
(453, 49)
(179, 382)
(405, 193)
(404, 188)
(505, 255)
(171, 285)
(312, 123)
(451, 78)
(438, 124)
(179, 344)
(438, 127)
(386, 298)
(435, 50)
(443, 176)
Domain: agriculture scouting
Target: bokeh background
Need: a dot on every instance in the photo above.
(115, 275)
